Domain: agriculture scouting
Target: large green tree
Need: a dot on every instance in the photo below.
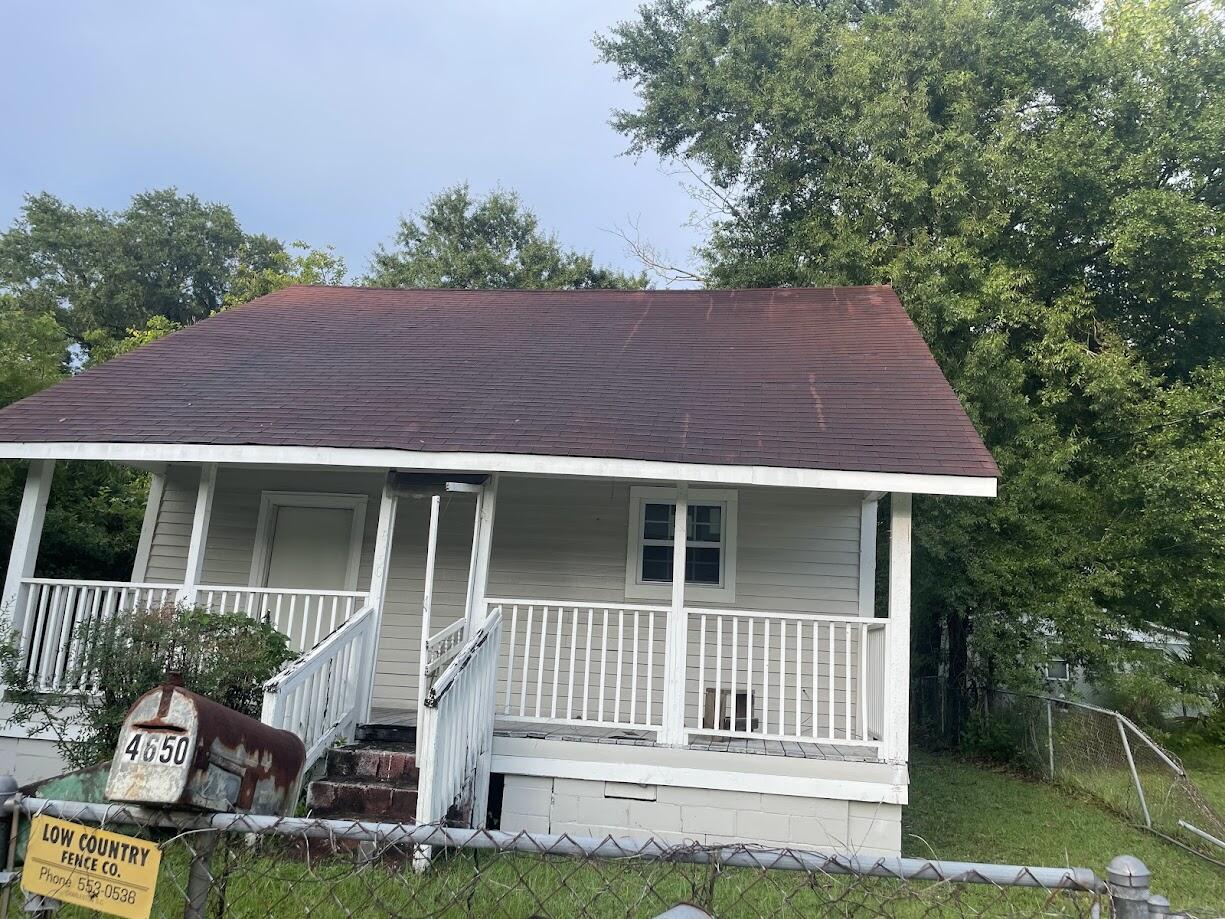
(80, 285)
(491, 242)
(1044, 185)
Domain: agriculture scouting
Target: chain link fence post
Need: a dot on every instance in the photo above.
(1128, 880)
(200, 876)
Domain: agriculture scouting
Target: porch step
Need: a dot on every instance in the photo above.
(386, 733)
(367, 781)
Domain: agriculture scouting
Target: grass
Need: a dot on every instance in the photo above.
(960, 810)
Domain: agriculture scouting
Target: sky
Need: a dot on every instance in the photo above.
(327, 121)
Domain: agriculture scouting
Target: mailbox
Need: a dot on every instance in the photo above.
(179, 748)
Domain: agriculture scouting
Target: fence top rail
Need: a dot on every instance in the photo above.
(579, 604)
(78, 582)
(301, 668)
(296, 591)
(867, 621)
(611, 847)
(446, 632)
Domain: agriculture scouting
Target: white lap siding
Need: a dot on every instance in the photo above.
(554, 539)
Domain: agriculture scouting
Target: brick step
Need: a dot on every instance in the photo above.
(386, 763)
(362, 800)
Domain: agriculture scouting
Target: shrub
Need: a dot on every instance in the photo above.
(224, 656)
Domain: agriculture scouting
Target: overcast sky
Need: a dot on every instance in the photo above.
(326, 121)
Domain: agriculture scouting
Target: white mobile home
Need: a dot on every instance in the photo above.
(462, 509)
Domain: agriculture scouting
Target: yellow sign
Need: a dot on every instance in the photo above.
(91, 867)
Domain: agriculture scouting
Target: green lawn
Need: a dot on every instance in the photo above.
(964, 811)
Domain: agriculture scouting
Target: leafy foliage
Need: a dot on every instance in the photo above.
(224, 656)
(79, 286)
(491, 242)
(1043, 185)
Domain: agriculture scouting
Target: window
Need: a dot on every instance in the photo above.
(710, 544)
(1058, 670)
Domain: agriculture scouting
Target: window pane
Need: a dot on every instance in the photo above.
(705, 522)
(657, 521)
(701, 565)
(657, 563)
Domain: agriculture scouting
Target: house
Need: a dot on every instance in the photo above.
(461, 508)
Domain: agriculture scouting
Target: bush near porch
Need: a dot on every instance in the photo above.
(224, 656)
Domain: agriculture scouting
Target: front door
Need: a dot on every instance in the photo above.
(309, 541)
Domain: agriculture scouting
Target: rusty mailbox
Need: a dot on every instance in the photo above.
(179, 748)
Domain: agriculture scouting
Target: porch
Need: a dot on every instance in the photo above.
(420, 612)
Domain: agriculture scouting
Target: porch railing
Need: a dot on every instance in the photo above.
(59, 614)
(455, 731)
(305, 616)
(56, 615)
(582, 663)
(320, 695)
(784, 676)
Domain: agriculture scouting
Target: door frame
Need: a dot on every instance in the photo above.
(265, 529)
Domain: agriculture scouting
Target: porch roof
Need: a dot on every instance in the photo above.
(806, 379)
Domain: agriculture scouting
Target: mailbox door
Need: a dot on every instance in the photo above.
(156, 753)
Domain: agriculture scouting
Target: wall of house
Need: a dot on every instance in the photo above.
(556, 539)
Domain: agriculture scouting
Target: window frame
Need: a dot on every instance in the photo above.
(1067, 670)
(636, 588)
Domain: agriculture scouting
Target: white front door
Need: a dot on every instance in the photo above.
(310, 548)
(309, 541)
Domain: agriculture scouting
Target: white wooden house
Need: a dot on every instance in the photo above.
(460, 507)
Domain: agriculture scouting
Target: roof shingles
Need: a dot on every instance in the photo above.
(831, 378)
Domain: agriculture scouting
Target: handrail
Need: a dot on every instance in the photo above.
(491, 602)
(455, 733)
(868, 621)
(296, 591)
(318, 695)
(81, 582)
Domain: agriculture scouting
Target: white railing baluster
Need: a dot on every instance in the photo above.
(527, 656)
(510, 658)
(603, 664)
(573, 651)
(586, 663)
(620, 662)
(634, 674)
(719, 673)
(702, 673)
(544, 626)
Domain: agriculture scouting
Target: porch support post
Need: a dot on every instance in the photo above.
(199, 533)
(673, 731)
(896, 744)
(482, 544)
(26, 537)
(427, 604)
(867, 553)
(153, 506)
(378, 588)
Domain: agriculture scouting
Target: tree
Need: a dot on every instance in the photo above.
(1043, 185)
(491, 242)
(79, 286)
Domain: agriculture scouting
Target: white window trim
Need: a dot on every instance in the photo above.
(271, 501)
(636, 589)
(1046, 670)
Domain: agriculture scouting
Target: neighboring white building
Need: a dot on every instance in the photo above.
(476, 492)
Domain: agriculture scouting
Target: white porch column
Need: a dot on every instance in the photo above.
(199, 533)
(26, 537)
(896, 745)
(867, 553)
(482, 545)
(378, 586)
(676, 650)
(157, 487)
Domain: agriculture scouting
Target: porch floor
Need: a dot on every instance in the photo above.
(394, 717)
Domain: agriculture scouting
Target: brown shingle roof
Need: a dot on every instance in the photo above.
(812, 379)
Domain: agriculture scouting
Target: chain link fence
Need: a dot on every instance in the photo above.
(248, 866)
(1105, 755)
